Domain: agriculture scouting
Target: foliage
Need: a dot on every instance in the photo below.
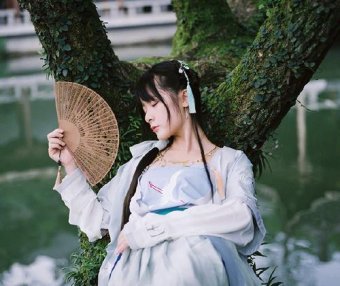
(267, 4)
(86, 262)
(259, 271)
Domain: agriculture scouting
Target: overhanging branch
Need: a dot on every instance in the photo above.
(260, 91)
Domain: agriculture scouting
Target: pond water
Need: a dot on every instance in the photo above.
(299, 198)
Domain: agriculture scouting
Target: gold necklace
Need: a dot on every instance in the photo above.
(186, 163)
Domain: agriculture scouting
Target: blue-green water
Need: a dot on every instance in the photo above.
(299, 198)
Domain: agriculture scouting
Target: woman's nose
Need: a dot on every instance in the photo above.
(148, 117)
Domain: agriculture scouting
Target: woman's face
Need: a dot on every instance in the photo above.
(157, 117)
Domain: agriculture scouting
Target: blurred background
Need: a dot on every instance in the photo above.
(299, 194)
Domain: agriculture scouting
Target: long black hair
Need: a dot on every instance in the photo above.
(166, 76)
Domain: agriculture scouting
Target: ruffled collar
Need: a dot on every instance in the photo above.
(145, 146)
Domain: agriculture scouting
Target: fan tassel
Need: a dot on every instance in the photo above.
(58, 178)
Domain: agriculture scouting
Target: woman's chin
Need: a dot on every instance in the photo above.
(161, 136)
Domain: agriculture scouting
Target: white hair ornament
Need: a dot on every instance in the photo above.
(191, 99)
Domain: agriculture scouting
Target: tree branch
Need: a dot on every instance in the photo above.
(260, 91)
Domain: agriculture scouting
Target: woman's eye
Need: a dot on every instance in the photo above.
(154, 103)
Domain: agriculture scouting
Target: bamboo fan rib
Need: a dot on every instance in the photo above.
(90, 129)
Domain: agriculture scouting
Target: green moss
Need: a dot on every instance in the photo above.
(201, 24)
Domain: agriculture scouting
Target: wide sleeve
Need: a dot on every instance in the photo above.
(232, 221)
(241, 185)
(88, 210)
(236, 219)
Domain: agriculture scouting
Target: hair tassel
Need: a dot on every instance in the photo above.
(191, 100)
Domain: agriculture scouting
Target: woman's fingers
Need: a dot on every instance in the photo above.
(120, 248)
(56, 141)
(55, 146)
(121, 243)
(57, 150)
(59, 133)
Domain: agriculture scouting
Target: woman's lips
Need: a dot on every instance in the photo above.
(154, 128)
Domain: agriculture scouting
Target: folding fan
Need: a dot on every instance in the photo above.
(90, 129)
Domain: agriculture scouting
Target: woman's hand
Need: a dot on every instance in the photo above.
(57, 150)
(122, 243)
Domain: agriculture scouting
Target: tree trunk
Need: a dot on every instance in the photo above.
(248, 87)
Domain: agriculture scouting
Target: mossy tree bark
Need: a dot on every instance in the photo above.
(261, 89)
(249, 84)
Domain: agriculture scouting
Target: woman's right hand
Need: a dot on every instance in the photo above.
(57, 150)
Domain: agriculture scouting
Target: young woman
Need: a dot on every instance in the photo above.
(182, 211)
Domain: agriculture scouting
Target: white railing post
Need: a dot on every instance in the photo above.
(113, 10)
(10, 17)
(156, 8)
(26, 17)
(132, 10)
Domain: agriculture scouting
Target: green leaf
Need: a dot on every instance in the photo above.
(80, 68)
(64, 28)
(259, 82)
(67, 47)
(258, 98)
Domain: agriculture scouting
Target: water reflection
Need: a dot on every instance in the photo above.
(301, 134)
(301, 197)
(322, 224)
(297, 266)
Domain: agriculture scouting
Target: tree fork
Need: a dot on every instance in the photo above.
(202, 24)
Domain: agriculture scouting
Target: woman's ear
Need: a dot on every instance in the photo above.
(183, 98)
